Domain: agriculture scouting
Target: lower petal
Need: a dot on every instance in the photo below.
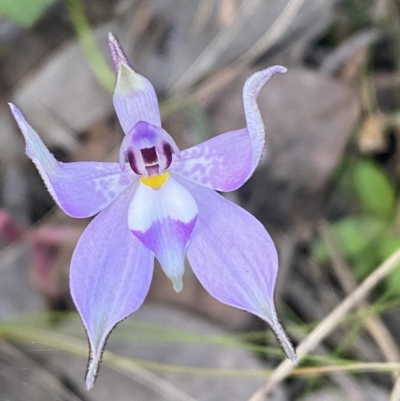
(235, 259)
(163, 220)
(110, 276)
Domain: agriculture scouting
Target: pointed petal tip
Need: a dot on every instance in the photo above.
(268, 314)
(89, 381)
(15, 111)
(118, 55)
(283, 339)
(20, 119)
(270, 71)
(94, 364)
(256, 81)
(279, 69)
(92, 370)
(177, 283)
(293, 358)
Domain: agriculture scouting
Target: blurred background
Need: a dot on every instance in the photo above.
(327, 193)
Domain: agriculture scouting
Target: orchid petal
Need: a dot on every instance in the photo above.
(163, 220)
(254, 122)
(110, 276)
(222, 163)
(134, 96)
(81, 189)
(235, 259)
(226, 162)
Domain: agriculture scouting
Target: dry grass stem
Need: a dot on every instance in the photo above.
(229, 73)
(395, 395)
(122, 364)
(211, 53)
(326, 326)
(374, 324)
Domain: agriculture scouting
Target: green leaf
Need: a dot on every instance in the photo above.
(100, 67)
(357, 237)
(389, 244)
(374, 190)
(23, 12)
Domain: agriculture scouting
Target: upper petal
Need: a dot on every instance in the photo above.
(235, 259)
(80, 189)
(222, 163)
(110, 276)
(226, 162)
(163, 219)
(134, 96)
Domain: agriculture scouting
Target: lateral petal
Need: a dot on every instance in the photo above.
(163, 220)
(222, 163)
(110, 276)
(80, 189)
(226, 162)
(235, 259)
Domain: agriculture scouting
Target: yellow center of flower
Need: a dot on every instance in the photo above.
(155, 181)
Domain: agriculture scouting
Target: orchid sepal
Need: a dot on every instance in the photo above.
(81, 189)
(227, 161)
(235, 274)
(134, 96)
(255, 125)
(110, 276)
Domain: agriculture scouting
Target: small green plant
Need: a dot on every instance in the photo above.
(369, 236)
(23, 12)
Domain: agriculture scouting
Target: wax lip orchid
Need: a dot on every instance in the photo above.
(161, 202)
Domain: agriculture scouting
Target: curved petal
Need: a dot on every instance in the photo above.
(254, 120)
(134, 96)
(110, 276)
(80, 189)
(222, 163)
(235, 259)
(163, 219)
(226, 162)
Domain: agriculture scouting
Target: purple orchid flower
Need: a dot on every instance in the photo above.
(161, 202)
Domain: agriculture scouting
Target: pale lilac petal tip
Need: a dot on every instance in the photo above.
(254, 121)
(35, 149)
(118, 55)
(80, 189)
(163, 220)
(110, 276)
(235, 259)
